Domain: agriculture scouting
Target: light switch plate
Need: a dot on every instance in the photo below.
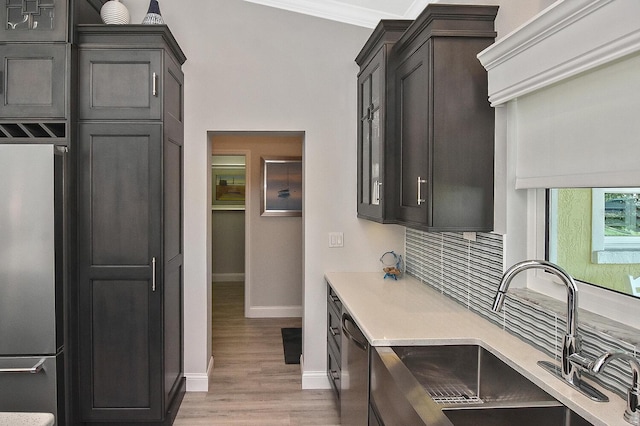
(336, 239)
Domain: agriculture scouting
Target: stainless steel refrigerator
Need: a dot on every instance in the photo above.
(31, 278)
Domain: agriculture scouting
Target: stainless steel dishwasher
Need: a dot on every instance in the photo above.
(354, 388)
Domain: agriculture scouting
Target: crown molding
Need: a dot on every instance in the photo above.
(564, 40)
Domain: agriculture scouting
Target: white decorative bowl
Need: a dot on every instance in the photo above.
(114, 13)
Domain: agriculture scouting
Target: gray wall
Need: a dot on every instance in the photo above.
(227, 245)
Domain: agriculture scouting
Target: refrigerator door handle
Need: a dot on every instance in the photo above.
(33, 370)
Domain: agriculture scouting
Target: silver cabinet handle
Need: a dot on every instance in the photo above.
(420, 182)
(376, 192)
(155, 84)
(33, 370)
(334, 331)
(153, 274)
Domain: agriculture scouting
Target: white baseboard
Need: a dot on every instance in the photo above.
(274, 312)
(315, 380)
(199, 382)
(228, 277)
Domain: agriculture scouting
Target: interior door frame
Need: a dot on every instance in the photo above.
(247, 218)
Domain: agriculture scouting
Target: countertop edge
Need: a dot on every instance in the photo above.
(417, 315)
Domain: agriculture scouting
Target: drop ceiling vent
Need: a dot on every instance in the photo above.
(570, 78)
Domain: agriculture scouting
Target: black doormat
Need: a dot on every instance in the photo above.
(292, 343)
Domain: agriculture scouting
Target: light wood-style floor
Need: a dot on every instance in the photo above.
(251, 384)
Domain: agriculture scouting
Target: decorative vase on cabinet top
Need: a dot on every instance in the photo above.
(153, 15)
(114, 13)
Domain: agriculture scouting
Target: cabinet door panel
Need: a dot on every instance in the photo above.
(173, 93)
(120, 84)
(116, 305)
(462, 137)
(173, 160)
(413, 79)
(173, 271)
(120, 285)
(33, 81)
(173, 345)
(120, 199)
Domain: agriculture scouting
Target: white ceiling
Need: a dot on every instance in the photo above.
(364, 13)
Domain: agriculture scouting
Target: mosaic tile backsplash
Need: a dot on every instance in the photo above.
(469, 272)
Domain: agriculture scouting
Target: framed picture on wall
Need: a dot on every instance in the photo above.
(228, 185)
(281, 193)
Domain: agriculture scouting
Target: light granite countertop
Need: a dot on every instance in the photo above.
(26, 419)
(407, 313)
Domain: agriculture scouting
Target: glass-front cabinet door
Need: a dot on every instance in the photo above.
(370, 138)
(34, 20)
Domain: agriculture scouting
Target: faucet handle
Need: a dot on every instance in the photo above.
(632, 412)
(581, 361)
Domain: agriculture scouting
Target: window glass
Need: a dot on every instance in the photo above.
(594, 234)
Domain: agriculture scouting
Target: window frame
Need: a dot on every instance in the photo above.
(610, 304)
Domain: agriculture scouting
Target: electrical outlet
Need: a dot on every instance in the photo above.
(471, 236)
(336, 239)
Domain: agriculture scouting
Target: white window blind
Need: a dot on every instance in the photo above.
(582, 132)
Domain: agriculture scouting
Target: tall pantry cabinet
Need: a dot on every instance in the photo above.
(130, 234)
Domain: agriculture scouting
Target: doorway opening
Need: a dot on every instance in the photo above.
(273, 244)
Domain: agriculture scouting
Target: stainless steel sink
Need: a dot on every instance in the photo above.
(468, 374)
(458, 385)
(522, 416)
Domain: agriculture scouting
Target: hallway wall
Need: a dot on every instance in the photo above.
(227, 245)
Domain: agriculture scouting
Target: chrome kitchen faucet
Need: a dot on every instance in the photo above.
(569, 371)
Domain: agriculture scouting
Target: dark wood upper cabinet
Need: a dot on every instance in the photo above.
(34, 20)
(33, 81)
(120, 84)
(375, 154)
(444, 135)
(425, 126)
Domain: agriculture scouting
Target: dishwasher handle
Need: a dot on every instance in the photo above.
(31, 370)
(347, 318)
